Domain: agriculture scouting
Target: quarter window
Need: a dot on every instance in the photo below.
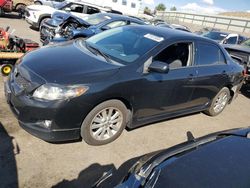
(209, 54)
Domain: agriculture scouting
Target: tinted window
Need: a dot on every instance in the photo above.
(246, 43)
(92, 10)
(75, 8)
(215, 35)
(231, 40)
(209, 54)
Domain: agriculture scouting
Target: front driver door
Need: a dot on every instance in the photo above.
(168, 93)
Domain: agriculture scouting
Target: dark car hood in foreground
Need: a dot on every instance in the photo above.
(237, 47)
(221, 162)
(66, 63)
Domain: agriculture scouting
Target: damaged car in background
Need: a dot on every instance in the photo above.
(241, 53)
(35, 15)
(121, 78)
(66, 26)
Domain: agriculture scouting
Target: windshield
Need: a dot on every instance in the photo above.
(124, 44)
(95, 19)
(246, 43)
(215, 35)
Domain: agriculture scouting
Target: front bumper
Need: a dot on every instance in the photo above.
(65, 117)
(32, 23)
(47, 32)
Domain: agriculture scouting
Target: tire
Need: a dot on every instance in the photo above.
(1, 12)
(20, 8)
(219, 102)
(6, 69)
(98, 130)
(37, 3)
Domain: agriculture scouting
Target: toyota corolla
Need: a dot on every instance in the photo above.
(122, 78)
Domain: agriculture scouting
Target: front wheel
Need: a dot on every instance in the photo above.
(219, 102)
(104, 123)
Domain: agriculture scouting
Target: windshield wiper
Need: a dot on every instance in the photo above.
(97, 50)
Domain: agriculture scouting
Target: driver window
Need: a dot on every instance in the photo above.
(176, 56)
(116, 24)
(76, 8)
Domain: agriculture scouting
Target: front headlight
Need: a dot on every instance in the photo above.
(57, 92)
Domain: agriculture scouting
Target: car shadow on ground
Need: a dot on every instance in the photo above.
(91, 174)
(13, 15)
(8, 167)
(245, 90)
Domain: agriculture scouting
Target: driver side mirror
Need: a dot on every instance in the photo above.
(158, 66)
(104, 28)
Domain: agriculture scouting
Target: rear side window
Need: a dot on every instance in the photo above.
(209, 54)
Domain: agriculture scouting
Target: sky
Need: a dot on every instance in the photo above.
(203, 6)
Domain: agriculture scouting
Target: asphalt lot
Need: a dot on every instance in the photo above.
(26, 161)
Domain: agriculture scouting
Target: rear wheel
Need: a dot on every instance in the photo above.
(104, 123)
(219, 102)
(6, 69)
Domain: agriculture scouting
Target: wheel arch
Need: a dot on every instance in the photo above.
(42, 17)
(125, 101)
(15, 8)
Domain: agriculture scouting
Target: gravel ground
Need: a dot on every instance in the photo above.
(26, 161)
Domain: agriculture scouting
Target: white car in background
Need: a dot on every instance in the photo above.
(51, 3)
(35, 15)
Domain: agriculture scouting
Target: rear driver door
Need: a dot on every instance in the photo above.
(212, 72)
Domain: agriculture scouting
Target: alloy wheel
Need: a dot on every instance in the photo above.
(220, 102)
(106, 123)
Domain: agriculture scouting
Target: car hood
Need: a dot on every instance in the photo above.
(67, 63)
(43, 8)
(166, 158)
(59, 17)
(237, 47)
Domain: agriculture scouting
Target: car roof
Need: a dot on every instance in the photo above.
(119, 16)
(168, 33)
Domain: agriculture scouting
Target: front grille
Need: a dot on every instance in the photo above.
(21, 82)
